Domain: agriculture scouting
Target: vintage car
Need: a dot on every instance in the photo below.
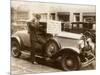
(80, 27)
(71, 50)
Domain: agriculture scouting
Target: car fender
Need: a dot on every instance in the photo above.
(16, 38)
(23, 38)
(69, 50)
(54, 39)
(64, 48)
(72, 49)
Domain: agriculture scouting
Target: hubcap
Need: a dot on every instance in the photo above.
(69, 62)
(51, 49)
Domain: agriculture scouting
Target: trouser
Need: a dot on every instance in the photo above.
(36, 44)
(33, 46)
(32, 57)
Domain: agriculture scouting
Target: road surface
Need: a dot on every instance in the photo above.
(22, 65)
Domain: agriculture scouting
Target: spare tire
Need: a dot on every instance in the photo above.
(51, 48)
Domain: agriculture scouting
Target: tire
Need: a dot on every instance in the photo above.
(15, 49)
(70, 62)
(51, 48)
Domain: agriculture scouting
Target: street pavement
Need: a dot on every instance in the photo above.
(22, 65)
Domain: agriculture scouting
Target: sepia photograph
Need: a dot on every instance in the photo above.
(52, 37)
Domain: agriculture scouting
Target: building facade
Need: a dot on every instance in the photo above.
(59, 12)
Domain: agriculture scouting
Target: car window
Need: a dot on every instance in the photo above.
(75, 26)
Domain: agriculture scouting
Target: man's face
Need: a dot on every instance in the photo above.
(36, 20)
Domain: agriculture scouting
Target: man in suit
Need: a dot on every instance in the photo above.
(33, 28)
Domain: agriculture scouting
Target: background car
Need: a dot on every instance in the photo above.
(87, 28)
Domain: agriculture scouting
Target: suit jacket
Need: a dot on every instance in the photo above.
(33, 29)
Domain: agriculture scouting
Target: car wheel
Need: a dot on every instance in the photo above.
(70, 62)
(51, 48)
(15, 49)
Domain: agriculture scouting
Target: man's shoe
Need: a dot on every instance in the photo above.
(48, 59)
(34, 62)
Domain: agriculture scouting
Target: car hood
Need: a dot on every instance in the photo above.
(69, 35)
(22, 31)
(61, 34)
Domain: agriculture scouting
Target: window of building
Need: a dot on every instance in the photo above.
(44, 16)
(63, 16)
(89, 19)
(77, 17)
(52, 16)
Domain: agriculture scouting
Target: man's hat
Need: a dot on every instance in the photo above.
(37, 16)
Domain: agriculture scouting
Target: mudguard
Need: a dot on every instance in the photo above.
(71, 49)
(22, 37)
(65, 47)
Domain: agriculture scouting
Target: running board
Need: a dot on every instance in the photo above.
(28, 53)
(88, 62)
(39, 56)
